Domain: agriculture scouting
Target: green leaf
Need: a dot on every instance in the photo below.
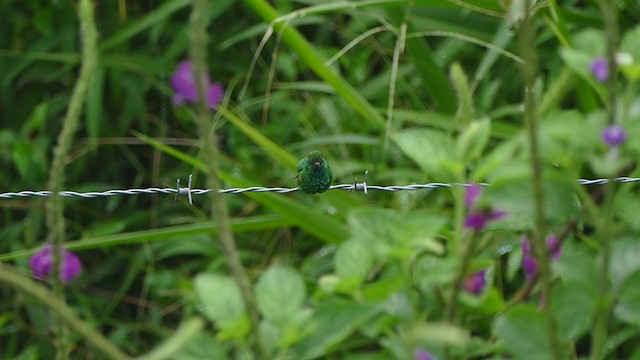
(202, 346)
(354, 260)
(580, 64)
(631, 43)
(434, 79)
(626, 255)
(461, 86)
(94, 104)
(513, 194)
(523, 331)
(280, 294)
(154, 17)
(576, 265)
(333, 322)
(220, 298)
(473, 139)
(627, 308)
(574, 308)
(442, 334)
(430, 149)
(386, 231)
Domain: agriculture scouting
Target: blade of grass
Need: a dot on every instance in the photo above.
(310, 56)
(157, 15)
(255, 223)
(434, 79)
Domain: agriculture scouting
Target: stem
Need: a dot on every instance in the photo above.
(212, 155)
(64, 312)
(466, 255)
(604, 305)
(183, 336)
(530, 68)
(55, 206)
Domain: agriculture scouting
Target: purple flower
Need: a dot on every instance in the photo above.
(478, 218)
(475, 282)
(614, 135)
(423, 355)
(600, 69)
(553, 244)
(185, 88)
(42, 264)
(471, 195)
(529, 263)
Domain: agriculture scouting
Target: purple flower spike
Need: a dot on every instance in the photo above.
(475, 221)
(529, 263)
(614, 135)
(554, 247)
(475, 282)
(472, 194)
(42, 264)
(184, 85)
(423, 355)
(600, 69)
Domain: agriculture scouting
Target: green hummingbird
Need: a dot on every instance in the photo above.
(314, 174)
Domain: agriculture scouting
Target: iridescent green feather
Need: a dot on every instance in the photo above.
(314, 174)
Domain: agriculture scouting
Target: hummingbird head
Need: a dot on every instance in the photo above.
(315, 159)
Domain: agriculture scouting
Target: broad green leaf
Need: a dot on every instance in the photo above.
(386, 231)
(576, 265)
(354, 259)
(523, 331)
(627, 308)
(590, 42)
(631, 45)
(437, 334)
(568, 138)
(430, 149)
(513, 194)
(280, 294)
(625, 253)
(574, 307)
(333, 322)
(580, 64)
(220, 298)
(463, 92)
(202, 346)
(473, 139)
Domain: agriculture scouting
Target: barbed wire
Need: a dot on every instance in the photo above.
(189, 192)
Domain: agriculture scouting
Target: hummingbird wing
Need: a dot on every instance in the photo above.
(301, 165)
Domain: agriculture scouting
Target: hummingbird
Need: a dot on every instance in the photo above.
(314, 174)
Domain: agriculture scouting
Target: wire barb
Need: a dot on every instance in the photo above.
(189, 191)
(184, 190)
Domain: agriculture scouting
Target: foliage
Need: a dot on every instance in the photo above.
(334, 275)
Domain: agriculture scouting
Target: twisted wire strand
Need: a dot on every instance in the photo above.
(356, 186)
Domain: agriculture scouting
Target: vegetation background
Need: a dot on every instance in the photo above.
(412, 91)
